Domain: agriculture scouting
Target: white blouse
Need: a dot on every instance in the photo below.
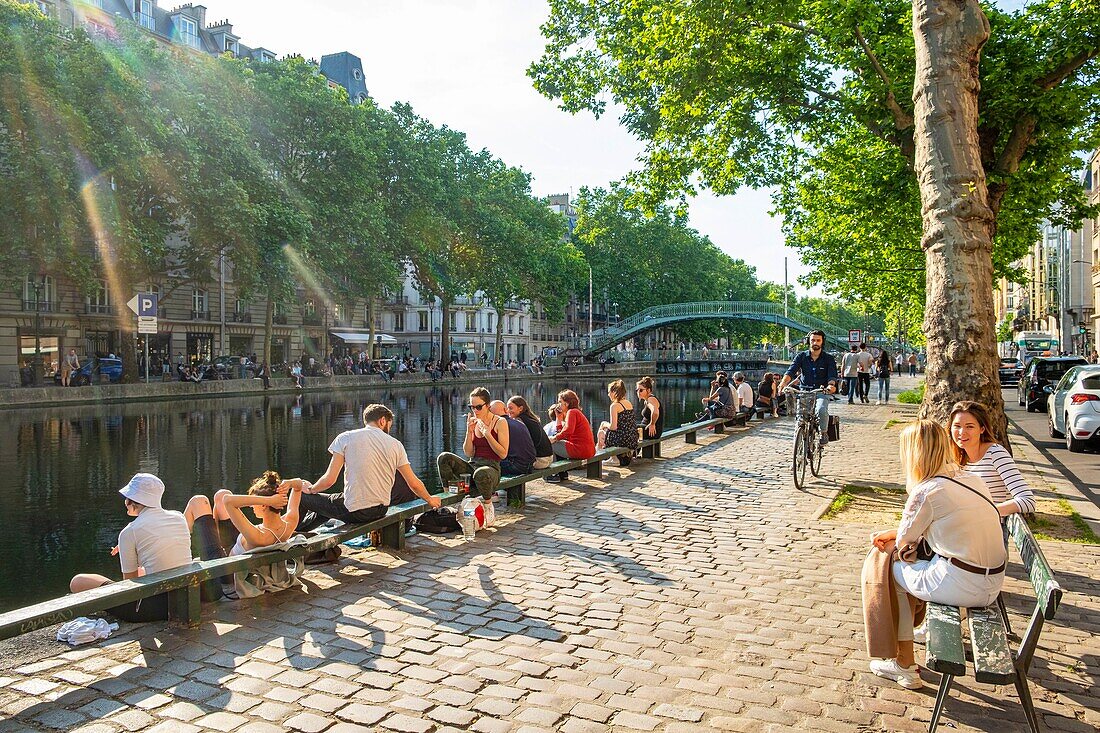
(955, 521)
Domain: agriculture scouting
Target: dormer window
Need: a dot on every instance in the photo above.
(188, 30)
(357, 74)
(362, 98)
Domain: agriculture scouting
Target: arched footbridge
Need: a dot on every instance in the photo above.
(660, 316)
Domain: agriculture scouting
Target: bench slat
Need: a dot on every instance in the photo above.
(1048, 592)
(944, 649)
(992, 655)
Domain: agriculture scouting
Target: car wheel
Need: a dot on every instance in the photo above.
(1050, 428)
(1073, 444)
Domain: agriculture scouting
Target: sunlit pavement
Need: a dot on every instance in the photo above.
(693, 592)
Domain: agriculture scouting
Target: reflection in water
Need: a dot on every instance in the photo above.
(66, 464)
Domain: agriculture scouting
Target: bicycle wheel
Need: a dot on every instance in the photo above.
(798, 463)
(816, 451)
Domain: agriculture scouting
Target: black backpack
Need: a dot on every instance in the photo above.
(437, 521)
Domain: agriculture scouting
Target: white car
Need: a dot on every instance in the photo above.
(1073, 409)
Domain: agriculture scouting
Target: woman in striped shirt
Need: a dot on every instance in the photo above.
(976, 447)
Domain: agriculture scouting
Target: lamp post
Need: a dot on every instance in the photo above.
(36, 370)
(431, 329)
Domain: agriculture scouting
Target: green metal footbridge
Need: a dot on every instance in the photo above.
(660, 316)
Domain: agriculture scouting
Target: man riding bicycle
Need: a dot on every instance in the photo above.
(815, 369)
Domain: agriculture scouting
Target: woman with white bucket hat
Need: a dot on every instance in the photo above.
(156, 540)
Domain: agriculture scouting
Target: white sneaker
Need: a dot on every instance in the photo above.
(920, 634)
(878, 402)
(909, 678)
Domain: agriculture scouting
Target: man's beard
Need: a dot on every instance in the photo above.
(815, 348)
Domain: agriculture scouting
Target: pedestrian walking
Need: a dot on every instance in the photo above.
(913, 364)
(865, 362)
(849, 369)
(899, 362)
(883, 366)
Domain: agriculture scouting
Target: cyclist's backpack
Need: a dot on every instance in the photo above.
(834, 428)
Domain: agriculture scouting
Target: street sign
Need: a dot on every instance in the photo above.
(147, 324)
(855, 336)
(144, 304)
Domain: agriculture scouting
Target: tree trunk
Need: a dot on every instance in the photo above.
(444, 330)
(957, 220)
(269, 331)
(370, 328)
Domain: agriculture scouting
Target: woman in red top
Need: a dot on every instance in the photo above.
(486, 444)
(574, 440)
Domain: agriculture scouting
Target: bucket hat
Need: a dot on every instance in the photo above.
(145, 489)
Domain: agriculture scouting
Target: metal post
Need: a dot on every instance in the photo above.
(589, 306)
(146, 339)
(36, 371)
(786, 329)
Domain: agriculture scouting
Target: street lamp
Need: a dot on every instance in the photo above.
(37, 370)
(431, 329)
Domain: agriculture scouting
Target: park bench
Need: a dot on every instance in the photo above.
(183, 583)
(993, 660)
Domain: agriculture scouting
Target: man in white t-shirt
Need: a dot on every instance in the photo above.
(375, 468)
(864, 360)
(742, 393)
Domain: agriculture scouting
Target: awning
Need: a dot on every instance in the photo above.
(363, 337)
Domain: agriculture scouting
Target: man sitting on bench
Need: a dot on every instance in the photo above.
(742, 393)
(376, 474)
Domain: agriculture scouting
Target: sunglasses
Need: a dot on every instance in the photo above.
(475, 407)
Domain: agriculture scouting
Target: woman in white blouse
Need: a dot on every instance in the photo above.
(953, 512)
(974, 446)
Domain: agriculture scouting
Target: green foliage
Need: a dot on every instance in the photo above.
(912, 396)
(814, 97)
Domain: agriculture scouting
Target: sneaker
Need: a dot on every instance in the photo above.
(554, 478)
(878, 402)
(920, 634)
(909, 678)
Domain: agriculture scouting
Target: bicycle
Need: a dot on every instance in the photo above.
(807, 436)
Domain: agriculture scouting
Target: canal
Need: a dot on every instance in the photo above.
(65, 465)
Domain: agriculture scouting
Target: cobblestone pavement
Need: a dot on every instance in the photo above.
(691, 593)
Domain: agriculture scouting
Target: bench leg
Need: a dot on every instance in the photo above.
(941, 698)
(517, 495)
(647, 451)
(184, 605)
(1025, 700)
(1004, 614)
(595, 469)
(720, 428)
(690, 438)
(393, 536)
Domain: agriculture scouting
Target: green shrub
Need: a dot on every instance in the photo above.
(912, 396)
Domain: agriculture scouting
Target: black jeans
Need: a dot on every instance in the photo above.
(316, 509)
(864, 385)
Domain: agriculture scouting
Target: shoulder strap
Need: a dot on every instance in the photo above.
(973, 491)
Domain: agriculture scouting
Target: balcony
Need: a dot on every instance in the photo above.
(513, 305)
(98, 309)
(311, 319)
(244, 317)
(467, 300)
(279, 319)
(396, 300)
(200, 315)
(44, 306)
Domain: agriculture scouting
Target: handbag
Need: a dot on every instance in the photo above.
(833, 430)
(437, 521)
(844, 388)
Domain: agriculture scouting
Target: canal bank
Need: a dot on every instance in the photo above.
(54, 396)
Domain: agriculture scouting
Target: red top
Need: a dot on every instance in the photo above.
(577, 435)
(482, 449)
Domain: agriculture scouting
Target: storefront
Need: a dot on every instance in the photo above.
(385, 345)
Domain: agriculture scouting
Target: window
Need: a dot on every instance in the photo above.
(309, 308)
(145, 15)
(399, 321)
(489, 323)
(230, 45)
(357, 74)
(38, 289)
(99, 301)
(454, 321)
(188, 30)
(362, 98)
(1010, 303)
(43, 7)
(240, 306)
(198, 300)
(423, 316)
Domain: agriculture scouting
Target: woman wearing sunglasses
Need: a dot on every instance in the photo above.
(486, 445)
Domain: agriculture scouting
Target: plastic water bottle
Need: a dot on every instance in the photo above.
(467, 518)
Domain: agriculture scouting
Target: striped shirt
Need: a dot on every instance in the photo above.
(1004, 480)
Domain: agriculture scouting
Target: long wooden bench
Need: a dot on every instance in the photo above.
(183, 583)
(994, 661)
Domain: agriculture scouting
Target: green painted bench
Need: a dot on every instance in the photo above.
(994, 661)
(183, 583)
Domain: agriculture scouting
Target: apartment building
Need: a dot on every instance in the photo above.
(1089, 239)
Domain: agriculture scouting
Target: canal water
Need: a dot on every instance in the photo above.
(64, 465)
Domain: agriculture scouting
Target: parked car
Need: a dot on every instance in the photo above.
(88, 371)
(1073, 410)
(229, 366)
(1043, 371)
(1009, 371)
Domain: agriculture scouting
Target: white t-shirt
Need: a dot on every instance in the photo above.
(371, 459)
(156, 540)
(849, 364)
(744, 395)
(865, 360)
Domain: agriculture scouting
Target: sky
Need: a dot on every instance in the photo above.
(463, 63)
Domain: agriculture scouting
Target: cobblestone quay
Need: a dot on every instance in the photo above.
(689, 593)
